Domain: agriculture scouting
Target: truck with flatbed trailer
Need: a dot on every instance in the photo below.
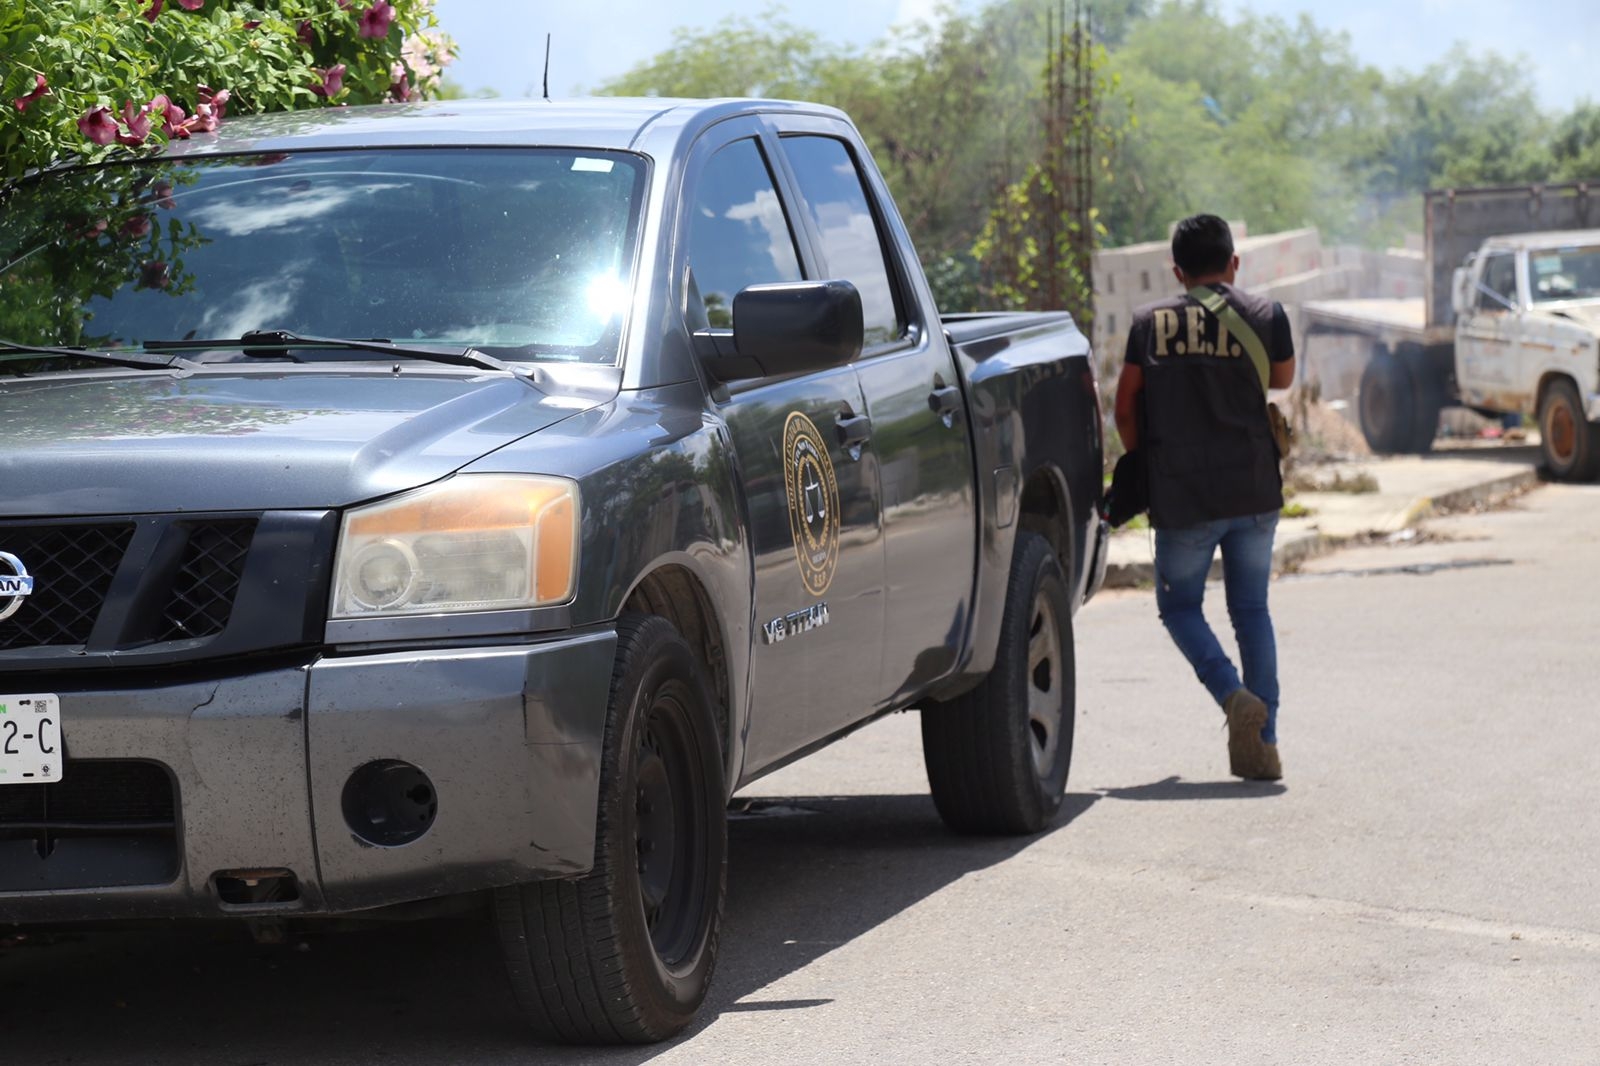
(1510, 324)
(453, 505)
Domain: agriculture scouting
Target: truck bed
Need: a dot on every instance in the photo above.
(1389, 319)
(972, 327)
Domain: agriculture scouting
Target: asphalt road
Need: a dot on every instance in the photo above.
(1423, 887)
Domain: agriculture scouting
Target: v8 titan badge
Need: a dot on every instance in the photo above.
(813, 502)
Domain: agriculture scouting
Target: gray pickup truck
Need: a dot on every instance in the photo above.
(456, 504)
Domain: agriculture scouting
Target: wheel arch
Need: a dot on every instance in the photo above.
(1547, 380)
(1045, 508)
(674, 591)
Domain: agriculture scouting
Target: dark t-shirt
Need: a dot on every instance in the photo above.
(1172, 339)
(1206, 437)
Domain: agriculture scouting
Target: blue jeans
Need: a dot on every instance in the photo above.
(1183, 558)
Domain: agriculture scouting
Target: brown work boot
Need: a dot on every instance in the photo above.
(1271, 768)
(1247, 753)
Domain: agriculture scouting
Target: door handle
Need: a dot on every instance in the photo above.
(945, 401)
(853, 431)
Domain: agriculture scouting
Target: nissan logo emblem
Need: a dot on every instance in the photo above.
(13, 586)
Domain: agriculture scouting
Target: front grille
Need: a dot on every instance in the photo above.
(105, 823)
(72, 567)
(207, 580)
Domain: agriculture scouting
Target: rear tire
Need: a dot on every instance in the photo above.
(1427, 398)
(625, 954)
(997, 757)
(1388, 405)
(1570, 444)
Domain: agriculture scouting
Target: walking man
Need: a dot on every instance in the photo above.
(1191, 396)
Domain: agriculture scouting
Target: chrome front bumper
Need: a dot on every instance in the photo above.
(509, 739)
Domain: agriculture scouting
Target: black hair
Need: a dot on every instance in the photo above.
(1202, 245)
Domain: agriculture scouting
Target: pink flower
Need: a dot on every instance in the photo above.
(172, 117)
(39, 89)
(332, 81)
(98, 126)
(162, 194)
(307, 35)
(155, 9)
(217, 99)
(204, 121)
(375, 19)
(251, 24)
(138, 123)
(154, 275)
(137, 226)
(399, 84)
(191, 5)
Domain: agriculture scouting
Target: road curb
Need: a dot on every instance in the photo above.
(1290, 551)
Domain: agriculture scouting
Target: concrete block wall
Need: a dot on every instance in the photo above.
(1291, 267)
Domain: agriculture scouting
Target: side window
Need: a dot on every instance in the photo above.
(833, 192)
(738, 233)
(1499, 275)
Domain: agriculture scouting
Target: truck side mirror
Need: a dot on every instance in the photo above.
(1461, 300)
(786, 328)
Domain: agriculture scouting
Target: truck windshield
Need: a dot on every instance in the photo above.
(519, 253)
(1564, 274)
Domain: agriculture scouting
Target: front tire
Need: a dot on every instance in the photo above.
(1570, 444)
(997, 757)
(625, 954)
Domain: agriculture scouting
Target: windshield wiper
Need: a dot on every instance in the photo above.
(128, 359)
(272, 342)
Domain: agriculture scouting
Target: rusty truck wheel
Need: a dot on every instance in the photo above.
(625, 954)
(1569, 442)
(997, 757)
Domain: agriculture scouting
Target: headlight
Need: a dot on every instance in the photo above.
(477, 542)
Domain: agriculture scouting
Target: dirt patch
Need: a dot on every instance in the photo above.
(1323, 431)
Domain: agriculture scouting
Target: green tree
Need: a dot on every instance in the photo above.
(86, 78)
(1466, 120)
(1575, 147)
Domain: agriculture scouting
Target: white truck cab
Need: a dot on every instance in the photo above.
(1528, 339)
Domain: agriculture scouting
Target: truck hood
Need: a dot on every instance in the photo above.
(1586, 313)
(222, 441)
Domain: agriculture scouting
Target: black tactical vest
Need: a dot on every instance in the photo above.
(1207, 442)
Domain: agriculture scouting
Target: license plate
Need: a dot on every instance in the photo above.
(30, 739)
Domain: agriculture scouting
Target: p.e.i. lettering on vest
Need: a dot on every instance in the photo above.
(1193, 325)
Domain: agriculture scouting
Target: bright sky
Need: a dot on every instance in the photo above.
(502, 41)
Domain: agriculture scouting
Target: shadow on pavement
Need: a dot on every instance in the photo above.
(806, 876)
(1176, 788)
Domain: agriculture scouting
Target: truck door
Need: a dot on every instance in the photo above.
(815, 527)
(914, 398)
(1486, 336)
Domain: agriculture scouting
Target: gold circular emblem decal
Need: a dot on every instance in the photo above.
(813, 502)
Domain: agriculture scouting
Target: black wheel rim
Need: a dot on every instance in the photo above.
(671, 830)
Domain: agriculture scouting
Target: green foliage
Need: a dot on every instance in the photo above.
(1038, 242)
(1273, 121)
(739, 56)
(267, 55)
(1575, 147)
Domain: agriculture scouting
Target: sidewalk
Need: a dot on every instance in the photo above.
(1410, 488)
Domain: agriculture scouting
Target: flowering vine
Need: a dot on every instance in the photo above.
(84, 78)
